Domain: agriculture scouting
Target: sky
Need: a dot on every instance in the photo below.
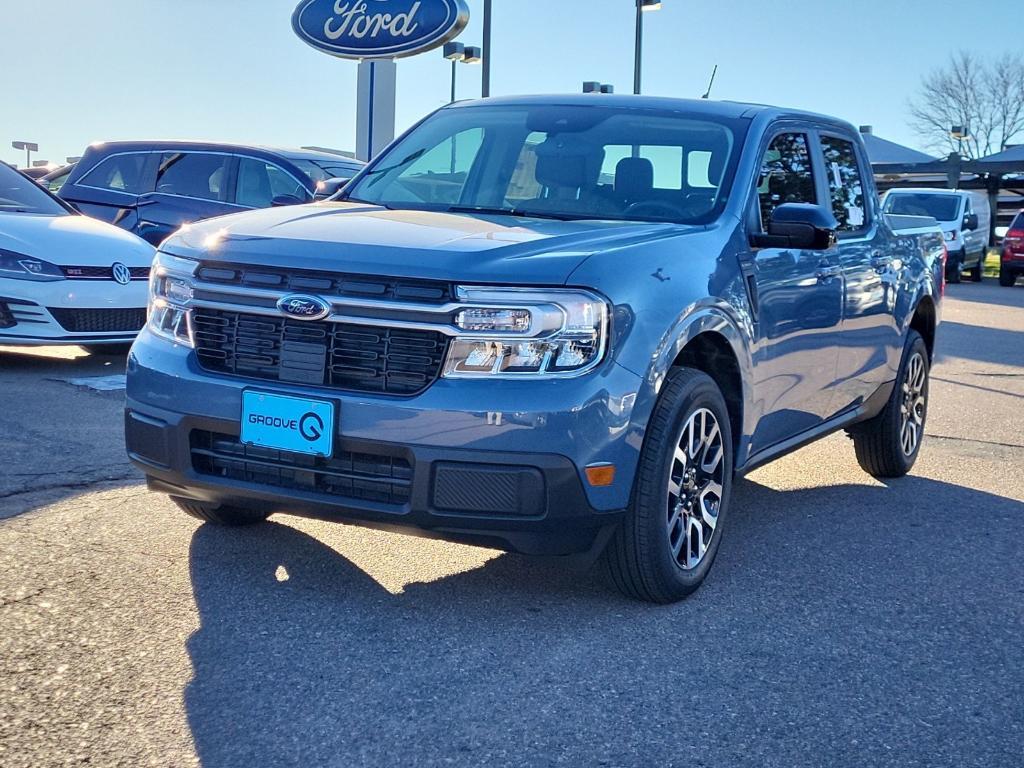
(77, 71)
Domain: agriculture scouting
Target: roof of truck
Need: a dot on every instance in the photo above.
(728, 109)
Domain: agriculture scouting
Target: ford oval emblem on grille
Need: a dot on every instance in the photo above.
(304, 307)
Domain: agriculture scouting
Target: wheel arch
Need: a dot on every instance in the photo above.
(925, 321)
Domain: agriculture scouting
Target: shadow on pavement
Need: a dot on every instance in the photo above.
(892, 614)
(991, 293)
(987, 345)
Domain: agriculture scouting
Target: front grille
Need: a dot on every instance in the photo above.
(99, 320)
(334, 284)
(383, 479)
(102, 273)
(349, 357)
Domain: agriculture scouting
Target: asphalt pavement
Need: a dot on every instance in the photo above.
(847, 622)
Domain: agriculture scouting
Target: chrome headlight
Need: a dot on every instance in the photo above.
(514, 333)
(170, 297)
(18, 266)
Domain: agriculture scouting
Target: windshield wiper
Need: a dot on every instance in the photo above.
(521, 212)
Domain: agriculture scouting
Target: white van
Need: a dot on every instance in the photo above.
(963, 216)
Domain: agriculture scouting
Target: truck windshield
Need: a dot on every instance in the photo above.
(19, 194)
(939, 207)
(560, 162)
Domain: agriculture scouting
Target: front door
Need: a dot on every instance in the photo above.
(800, 297)
(190, 186)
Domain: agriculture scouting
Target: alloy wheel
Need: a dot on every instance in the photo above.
(914, 405)
(695, 488)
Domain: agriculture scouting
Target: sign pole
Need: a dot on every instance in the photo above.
(375, 110)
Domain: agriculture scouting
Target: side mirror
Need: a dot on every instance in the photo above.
(329, 188)
(282, 200)
(801, 226)
(971, 221)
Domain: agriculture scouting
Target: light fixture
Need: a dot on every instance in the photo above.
(458, 52)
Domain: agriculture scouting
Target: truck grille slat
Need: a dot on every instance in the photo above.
(346, 357)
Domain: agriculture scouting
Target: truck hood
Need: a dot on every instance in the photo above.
(72, 240)
(364, 239)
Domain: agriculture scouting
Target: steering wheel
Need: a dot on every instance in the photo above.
(655, 208)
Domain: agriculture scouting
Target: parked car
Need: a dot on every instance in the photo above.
(55, 179)
(956, 211)
(153, 188)
(481, 341)
(1011, 263)
(66, 278)
(36, 173)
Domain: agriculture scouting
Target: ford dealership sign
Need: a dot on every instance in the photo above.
(379, 29)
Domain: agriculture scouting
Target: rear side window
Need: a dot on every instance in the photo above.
(118, 173)
(786, 174)
(259, 182)
(845, 183)
(193, 174)
(1018, 222)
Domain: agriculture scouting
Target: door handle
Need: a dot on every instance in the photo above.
(827, 273)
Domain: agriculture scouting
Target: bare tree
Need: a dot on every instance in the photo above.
(986, 97)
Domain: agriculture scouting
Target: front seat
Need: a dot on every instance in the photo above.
(634, 180)
(569, 175)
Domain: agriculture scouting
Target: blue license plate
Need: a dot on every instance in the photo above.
(284, 423)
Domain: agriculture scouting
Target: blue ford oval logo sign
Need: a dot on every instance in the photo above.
(379, 29)
(304, 307)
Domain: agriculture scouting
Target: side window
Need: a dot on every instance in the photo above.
(439, 175)
(119, 173)
(193, 174)
(786, 174)
(845, 183)
(259, 182)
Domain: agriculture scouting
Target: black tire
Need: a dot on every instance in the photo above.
(218, 514)
(1007, 277)
(879, 442)
(109, 350)
(954, 267)
(978, 272)
(640, 559)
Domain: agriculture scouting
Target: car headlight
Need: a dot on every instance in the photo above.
(170, 297)
(514, 333)
(18, 266)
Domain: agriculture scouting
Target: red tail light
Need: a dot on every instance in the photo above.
(1013, 244)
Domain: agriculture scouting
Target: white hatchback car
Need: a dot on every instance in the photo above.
(66, 278)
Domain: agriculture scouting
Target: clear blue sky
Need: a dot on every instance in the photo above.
(75, 71)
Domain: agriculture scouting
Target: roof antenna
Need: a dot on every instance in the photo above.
(707, 95)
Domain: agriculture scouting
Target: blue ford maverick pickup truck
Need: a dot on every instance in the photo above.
(554, 325)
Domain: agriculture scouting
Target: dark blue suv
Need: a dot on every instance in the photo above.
(152, 188)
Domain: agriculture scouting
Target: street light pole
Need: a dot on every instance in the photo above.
(638, 61)
(642, 6)
(29, 148)
(486, 82)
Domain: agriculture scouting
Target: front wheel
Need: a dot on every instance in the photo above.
(889, 444)
(954, 268)
(670, 537)
(1007, 277)
(220, 514)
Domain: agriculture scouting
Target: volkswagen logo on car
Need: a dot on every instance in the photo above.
(378, 29)
(121, 273)
(303, 307)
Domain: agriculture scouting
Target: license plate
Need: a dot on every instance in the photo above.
(285, 423)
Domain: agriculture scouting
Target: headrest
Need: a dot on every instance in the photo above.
(634, 177)
(565, 165)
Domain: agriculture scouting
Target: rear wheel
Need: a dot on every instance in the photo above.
(889, 444)
(670, 537)
(1007, 277)
(978, 272)
(219, 514)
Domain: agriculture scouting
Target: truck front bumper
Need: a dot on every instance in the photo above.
(492, 463)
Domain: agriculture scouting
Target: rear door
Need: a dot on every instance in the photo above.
(110, 189)
(799, 297)
(189, 186)
(867, 255)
